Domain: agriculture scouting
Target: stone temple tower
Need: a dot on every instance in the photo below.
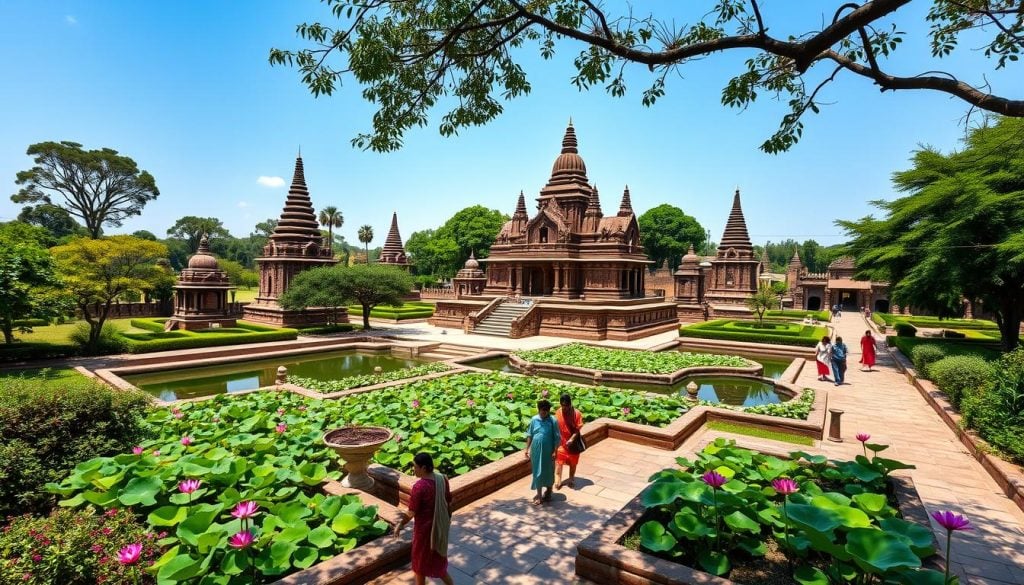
(734, 269)
(393, 252)
(296, 245)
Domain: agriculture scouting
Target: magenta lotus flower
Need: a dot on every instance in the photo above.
(186, 440)
(156, 452)
(177, 413)
(189, 485)
(280, 428)
(626, 410)
(242, 539)
(951, 521)
(280, 411)
(863, 437)
(137, 450)
(714, 479)
(245, 509)
(511, 396)
(470, 403)
(130, 554)
(785, 486)
(415, 403)
(544, 393)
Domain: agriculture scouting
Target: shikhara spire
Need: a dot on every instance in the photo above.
(735, 235)
(298, 219)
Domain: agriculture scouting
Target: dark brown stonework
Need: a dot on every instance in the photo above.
(734, 270)
(836, 286)
(393, 252)
(201, 294)
(470, 280)
(296, 245)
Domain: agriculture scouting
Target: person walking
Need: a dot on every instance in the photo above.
(542, 437)
(570, 446)
(867, 350)
(430, 504)
(839, 353)
(823, 358)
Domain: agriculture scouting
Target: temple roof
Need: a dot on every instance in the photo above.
(203, 259)
(626, 206)
(298, 221)
(795, 260)
(569, 166)
(843, 262)
(521, 206)
(393, 251)
(735, 235)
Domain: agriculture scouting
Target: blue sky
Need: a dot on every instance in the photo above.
(185, 89)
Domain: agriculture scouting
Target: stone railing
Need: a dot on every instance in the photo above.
(473, 319)
(658, 293)
(438, 293)
(526, 324)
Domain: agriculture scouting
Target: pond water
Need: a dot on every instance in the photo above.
(773, 367)
(731, 390)
(205, 381)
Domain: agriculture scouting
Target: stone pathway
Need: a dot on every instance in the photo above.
(504, 539)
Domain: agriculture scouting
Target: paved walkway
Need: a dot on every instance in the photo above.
(503, 539)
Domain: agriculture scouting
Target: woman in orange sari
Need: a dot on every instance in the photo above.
(570, 422)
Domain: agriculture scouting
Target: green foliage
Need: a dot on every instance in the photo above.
(331, 217)
(813, 255)
(365, 234)
(928, 322)
(444, 251)
(854, 529)
(239, 453)
(666, 233)
(156, 339)
(108, 187)
(349, 382)
(56, 221)
(327, 329)
(905, 330)
(28, 281)
(741, 429)
(959, 231)
(772, 333)
(191, 229)
(625, 360)
(410, 310)
(75, 548)
(408, 58)
(798, 314)
(336, 286)
(765, 298)
(52, 421)
(923, 356)
(109, 340)
(996, 410)
(799, 409)
(960, 375)
(981, 348)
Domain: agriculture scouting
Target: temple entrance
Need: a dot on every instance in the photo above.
(848, 300)
(881, 306)
(536, 282)
(814, 304)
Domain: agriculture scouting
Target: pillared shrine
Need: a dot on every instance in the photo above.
(201, 294)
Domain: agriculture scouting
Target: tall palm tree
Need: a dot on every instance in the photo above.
(332, 218)
(366, 236)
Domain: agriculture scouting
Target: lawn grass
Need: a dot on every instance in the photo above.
(738, 429)
(44, 378)
(246, 295)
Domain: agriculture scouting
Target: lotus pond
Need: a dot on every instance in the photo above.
(183, 383)
(627, 360)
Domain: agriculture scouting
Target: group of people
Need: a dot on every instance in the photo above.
(830, 357)
(552, 442)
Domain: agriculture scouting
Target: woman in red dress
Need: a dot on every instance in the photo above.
(867, 350)
(433, 518)
(569, 422)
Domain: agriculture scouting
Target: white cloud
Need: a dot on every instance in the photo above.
(70, 19)
(272, 182)
(243, 204)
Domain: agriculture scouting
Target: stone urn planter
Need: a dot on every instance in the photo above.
(356, 446)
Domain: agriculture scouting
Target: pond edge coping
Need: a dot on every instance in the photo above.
(599, 557)
(1007, 475)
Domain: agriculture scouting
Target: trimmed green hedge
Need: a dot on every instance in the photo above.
(934, 322)
(799, 314)
(411, 310)
(31, 322)
(28, 350)
(985, 349)
(326, 329)
(156, 339)
(905, 329)
(738, 330)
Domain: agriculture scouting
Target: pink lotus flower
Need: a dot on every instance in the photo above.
(951, 521)
(470, 403)
(189, 485)
(714, 479)
(156, 453)
(415, 403)
(136, 450)
(242, 539)
(302, 408)
(785, 486)
(130, 554)
(177, 413)
(215, 419)
(544, 393)
(280, 411)
(245, 509)
(281, 427)
(36, 558)
(626, 410)
(863, 437)
(186, 440)
(511, 396)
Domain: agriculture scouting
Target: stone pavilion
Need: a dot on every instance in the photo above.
(201, 294)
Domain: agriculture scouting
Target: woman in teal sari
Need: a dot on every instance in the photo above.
(542, 438)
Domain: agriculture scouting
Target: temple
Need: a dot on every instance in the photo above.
(393, 252)
(201, 294)
(582, 272)
(835, 286)
(296, 245)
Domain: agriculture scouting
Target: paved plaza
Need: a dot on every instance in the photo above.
(504, 539)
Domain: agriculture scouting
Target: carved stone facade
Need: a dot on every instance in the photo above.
(734, 273)
(835, 286)
(470, 280)
(201, 294)
(295, 246)
(393, 252)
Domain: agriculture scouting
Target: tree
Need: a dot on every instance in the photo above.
(101, 187)
(432, 254)
(957, 233)
(409, 56)
(27, 278)
(96, 272)
(473, 229)
(763, 300)
(335, 286)
(55, 220)
(366, 236)
(144, 235)
(332, 218)
(191, 229)
(666, 233)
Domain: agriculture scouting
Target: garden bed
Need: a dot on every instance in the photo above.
(778, 333)
(577, 359)
(605, 558)
(154, 338)
(406, 311)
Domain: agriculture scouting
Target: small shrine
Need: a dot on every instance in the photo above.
(201, 294)
(470, 280)
(393, 252)
(296, 245)
(735, 271)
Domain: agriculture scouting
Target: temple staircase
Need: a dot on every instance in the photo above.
(499, 322)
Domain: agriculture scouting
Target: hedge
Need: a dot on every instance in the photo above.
(325, 329)
(30, 350)
(984, 349)
(960, 375)
(406, 311)
(934, 322)
(798, 314)
(156, 339)
(31, 322)
(729, 330)
(905, 329)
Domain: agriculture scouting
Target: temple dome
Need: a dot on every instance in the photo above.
(569, 164)
(202, 259)
(471, 263)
